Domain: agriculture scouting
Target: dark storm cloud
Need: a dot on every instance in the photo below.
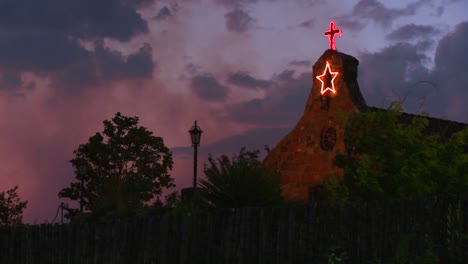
(308, 23)
(12, 84)
(208, 88)
(440, 9)
(300, 63)
(450, 69)
(235, 3)
(163, 13)
(51, 53)
(286, 75)
(399, 72)
(113, 65)
(449, 57)
(140, 64)
(283, 103)
(136, 3)
(350, 22)
(238, 20)
(192, 68)
(392, 73)
(374, 11)
(83, 73)
(10, 81)
(38, 51)
(245, 80)
(41, 37)
(117, 19)
(104, 64)
(412, 31)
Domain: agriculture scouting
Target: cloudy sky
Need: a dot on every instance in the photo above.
(242, 68)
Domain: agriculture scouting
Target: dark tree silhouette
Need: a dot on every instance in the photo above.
(239, 182)
(119, 170)
(388, 159)
(11, 208)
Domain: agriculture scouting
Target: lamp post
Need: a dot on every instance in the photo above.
(195, 135)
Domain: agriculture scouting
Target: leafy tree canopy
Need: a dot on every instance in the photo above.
(241, 181)
(387, 159)
(11, 208)
(119, 170)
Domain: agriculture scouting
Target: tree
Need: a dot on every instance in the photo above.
(453, 159)
(11, 208)
(388, 159)
(239, 182)
(119, 170)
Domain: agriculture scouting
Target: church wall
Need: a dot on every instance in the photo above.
(304, 158)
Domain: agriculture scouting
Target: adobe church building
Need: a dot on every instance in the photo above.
(304, 158)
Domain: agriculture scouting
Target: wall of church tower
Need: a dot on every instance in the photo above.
(304, 158)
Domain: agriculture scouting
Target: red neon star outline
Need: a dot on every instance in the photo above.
(321, 79)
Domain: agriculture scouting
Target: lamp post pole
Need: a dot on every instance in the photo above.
(195, 135)
(195, 153)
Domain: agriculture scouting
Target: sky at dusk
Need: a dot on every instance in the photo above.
(242, 68)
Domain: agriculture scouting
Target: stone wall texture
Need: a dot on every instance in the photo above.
(304, 158)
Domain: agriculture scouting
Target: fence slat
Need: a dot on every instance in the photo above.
(299, 234)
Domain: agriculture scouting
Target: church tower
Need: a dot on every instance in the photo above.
(304, 158)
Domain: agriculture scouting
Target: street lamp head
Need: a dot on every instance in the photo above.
(195, 134)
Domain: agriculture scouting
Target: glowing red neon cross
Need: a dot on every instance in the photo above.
(331, 34)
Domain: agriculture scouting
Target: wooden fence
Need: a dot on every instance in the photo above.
(357, 233)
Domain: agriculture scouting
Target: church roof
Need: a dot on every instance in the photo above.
(445, 128)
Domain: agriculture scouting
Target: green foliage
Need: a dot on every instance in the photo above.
(239, 182)
(11, 208)
(453, 158)
(405, 256)
(336, 256)
(455, 234)
(121, 168)
(172, 200)
(390, 160)
(336, 193)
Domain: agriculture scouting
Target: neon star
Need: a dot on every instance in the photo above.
(327, 79)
